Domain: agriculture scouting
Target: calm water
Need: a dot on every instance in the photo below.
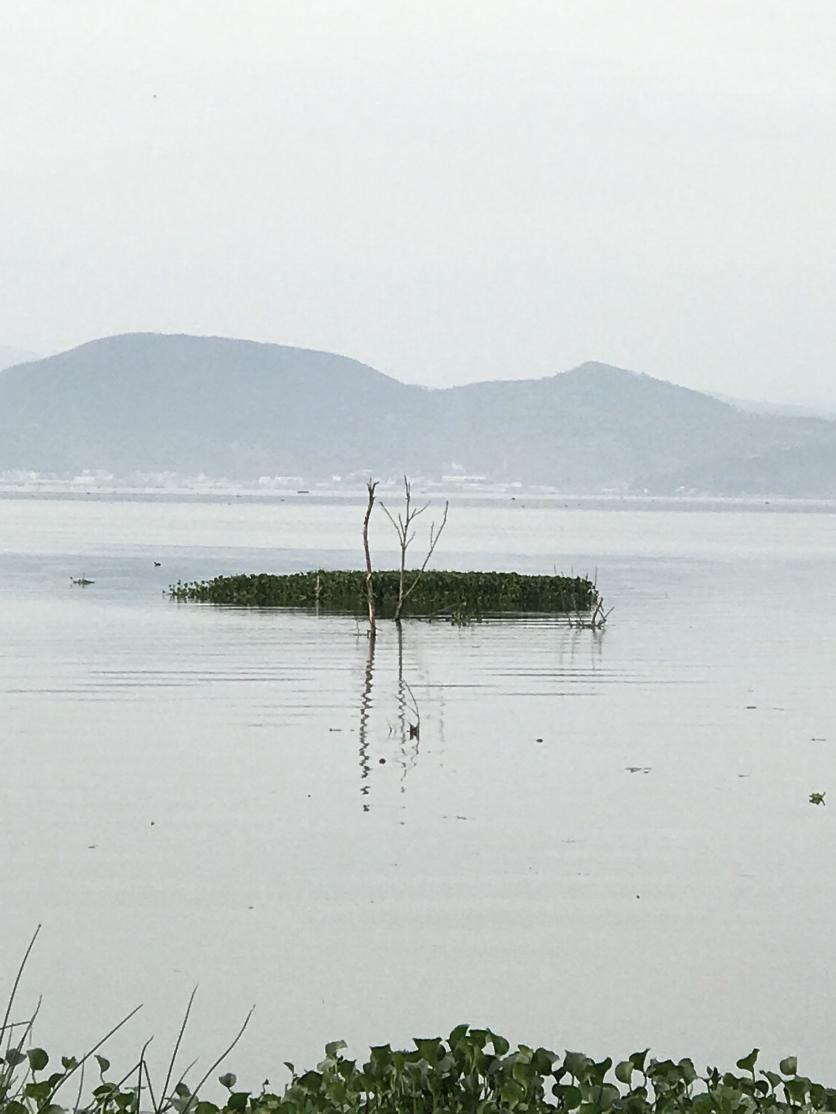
(598, 842)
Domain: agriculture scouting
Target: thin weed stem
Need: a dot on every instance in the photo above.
(177, 1044)
(16, 984)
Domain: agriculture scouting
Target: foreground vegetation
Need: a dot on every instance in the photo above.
(473, 1071)
(435, 593)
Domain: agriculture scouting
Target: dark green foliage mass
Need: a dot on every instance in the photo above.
(438, 592)
(473, 1071)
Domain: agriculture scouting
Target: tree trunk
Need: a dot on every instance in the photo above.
(372, 484)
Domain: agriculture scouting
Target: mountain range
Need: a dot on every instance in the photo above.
(153, 403)
(11, 356)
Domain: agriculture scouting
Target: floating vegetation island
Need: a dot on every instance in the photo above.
(437, 592)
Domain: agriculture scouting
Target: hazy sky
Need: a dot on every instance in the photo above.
(447, 190)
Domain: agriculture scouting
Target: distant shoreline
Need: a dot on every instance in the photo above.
(463, 495)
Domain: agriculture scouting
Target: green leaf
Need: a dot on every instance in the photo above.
(238, 1100)
(38, 1091)
(182, 1090)
(500, 1044)
(599, 1070)
(817, 1095)
(624, 1072)
(789, 1065)
(310, 1081)
(747, 1063)
(512, 1093)
(703, 1104)
(228, 1080)
(569, 1094)
(687, 1069)
(796, 1090)
(576, 1064)
(428, 1047)
(333, 1047)
(608, 1095)
(206, 1108)
(544, 1060)
(103, 1063)
(14, 1057)
(457, 1034)
(522, 1072)
(638, 1059)
(38, 1059)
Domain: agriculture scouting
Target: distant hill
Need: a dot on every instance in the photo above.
(810, 409)
(11, 356)
(238, 409)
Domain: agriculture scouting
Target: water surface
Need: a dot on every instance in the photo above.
(597, 841)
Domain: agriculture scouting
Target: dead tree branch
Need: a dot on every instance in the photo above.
(596, 621)
(406, 535)
(371, 485)
(434, 536)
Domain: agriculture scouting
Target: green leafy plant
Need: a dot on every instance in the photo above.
(435, 593)
(471, 1071)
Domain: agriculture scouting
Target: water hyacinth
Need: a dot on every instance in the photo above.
(473, 1071)
(438, 592)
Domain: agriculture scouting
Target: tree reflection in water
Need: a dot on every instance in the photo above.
(407, 726)
(365, 714)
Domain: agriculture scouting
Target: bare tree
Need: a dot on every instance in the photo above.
(403, 528)
(371, 485)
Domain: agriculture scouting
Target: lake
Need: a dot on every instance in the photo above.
(597, 842)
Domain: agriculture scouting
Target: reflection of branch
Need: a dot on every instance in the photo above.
(414, 728)
(401, 701)
(365, 711)
(409, 732)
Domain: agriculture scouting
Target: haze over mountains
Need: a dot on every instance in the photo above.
(11, 356)
(150, 403)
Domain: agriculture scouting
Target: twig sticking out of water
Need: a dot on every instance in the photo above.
(596, 621)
